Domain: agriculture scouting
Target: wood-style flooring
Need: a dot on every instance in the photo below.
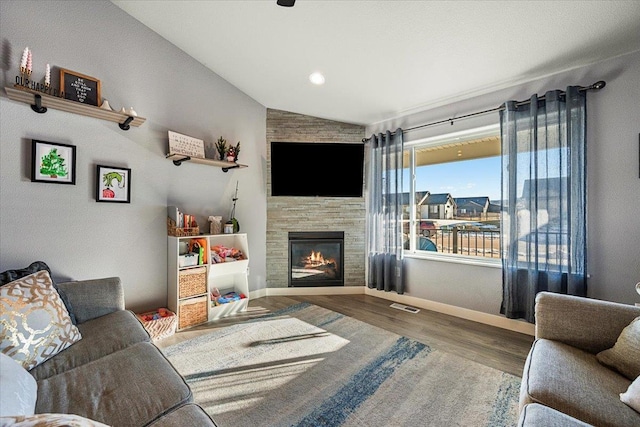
(495, 347)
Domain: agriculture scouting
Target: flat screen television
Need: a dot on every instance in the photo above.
(317, 169)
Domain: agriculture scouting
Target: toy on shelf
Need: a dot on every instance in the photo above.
(221, 253)
(217, 299)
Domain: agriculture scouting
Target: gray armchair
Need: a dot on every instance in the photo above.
(562, 379)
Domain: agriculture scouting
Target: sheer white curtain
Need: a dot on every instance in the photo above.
(384, 212)
(544, 199)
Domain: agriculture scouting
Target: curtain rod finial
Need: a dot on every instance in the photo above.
(598, 85)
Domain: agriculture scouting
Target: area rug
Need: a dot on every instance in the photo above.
(309, 366)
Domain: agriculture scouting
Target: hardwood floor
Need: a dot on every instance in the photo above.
(491, 346)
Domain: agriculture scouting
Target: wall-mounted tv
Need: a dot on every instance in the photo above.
(317, 169)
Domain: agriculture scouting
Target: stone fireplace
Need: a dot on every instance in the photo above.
(316, 258)
(286, 214)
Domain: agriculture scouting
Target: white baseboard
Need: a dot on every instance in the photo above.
(452, 310)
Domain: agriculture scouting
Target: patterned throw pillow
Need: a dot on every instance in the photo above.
(15, 274)
(34, 323)
(49, 420)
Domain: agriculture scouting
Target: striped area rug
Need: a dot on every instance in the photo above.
(309, 366)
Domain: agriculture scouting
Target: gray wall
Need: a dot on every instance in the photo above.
(62, 224)
(613, 186)
(286, 214)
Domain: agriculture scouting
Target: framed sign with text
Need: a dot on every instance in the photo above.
(185, 145)
(80, 88)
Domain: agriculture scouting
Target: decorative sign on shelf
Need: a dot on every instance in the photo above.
(80, 88)
(185, 145)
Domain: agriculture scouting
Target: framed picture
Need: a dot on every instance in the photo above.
(113, 184)
(80, 88)
(53, 162)
(185, 145)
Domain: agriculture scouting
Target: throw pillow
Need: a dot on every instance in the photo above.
(11, 275)
(631, 397)
(19, 389)
(624, 356)
(49, 420)
(34, 323)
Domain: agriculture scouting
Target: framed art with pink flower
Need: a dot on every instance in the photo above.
(113, 184)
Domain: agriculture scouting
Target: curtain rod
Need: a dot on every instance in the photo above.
(596, 86)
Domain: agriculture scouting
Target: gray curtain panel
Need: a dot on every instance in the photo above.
(384, 215)
(544, 199)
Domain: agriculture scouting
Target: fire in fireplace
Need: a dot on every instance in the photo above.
(316, 258)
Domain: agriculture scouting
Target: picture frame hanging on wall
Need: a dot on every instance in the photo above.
(80, 87)
(53, 162)
(113, 184)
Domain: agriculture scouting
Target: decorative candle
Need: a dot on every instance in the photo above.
(23, 61)
(47, 76)
(29, 63)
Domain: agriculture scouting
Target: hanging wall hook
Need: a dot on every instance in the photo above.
(230, 167)
(125, 125)
(179, 162)
(37, 107)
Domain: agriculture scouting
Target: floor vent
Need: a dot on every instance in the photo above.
(405, 308)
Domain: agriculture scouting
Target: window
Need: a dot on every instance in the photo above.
(453, 195)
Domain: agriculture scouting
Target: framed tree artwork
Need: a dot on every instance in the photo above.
(113, 184)
(53, 162)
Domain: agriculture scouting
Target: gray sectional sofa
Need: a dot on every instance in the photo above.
(114, 374)
(564, 383)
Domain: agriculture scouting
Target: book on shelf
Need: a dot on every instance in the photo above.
(182, 220)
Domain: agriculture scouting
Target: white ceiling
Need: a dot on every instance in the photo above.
(383, 59)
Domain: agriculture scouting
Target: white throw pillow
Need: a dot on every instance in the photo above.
(632, 396)
(19, 389)
(624, 356)
(49, 420)
(34, 322)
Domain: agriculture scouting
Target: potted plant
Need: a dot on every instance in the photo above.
(237, 151)
(221, 147)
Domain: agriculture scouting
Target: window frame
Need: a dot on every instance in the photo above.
(434, 141)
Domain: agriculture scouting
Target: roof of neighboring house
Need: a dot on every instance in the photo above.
(477, 201)
(420, 195)
(495, 208)
(545, 186)
(438, 199)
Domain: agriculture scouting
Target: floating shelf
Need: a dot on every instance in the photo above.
(40, 102)
(179, 158)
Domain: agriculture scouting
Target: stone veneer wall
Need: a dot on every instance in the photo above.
(286, 214)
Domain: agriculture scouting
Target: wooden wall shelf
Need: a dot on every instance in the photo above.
(179, 158)
(40, 102)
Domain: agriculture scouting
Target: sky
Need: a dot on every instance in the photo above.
(466, 178)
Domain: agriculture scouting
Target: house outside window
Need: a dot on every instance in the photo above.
(453, 187)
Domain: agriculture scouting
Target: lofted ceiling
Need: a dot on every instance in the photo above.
(384, 59)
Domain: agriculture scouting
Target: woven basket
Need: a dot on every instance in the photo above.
(160, 328)
(192, 282)
(172, 230)
(192, 312)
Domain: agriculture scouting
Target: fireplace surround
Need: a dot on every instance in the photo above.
(316, 258)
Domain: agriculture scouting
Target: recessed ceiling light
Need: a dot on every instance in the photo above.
(316, 78)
